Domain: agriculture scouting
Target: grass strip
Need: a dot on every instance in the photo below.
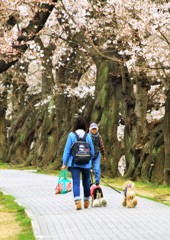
(10, 206)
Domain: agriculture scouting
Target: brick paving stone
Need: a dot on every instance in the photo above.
(54, 216)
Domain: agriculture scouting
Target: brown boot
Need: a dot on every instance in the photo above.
(86, 204)
(78, 205)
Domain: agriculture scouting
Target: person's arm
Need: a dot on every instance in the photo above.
(67, 152)
(101, 146)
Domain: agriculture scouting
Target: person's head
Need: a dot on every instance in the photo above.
(80, 123)
(93, 128)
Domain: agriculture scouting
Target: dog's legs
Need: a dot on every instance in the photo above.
(92, 200)
(104, 202)
(96, 203)
(124, 202)
(134, 200)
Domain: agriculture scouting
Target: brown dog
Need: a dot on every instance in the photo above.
(130, 200)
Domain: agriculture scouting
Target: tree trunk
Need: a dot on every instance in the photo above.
(21, 134)
(141, 104)
(151, 156)
(167, 141)
(127, 106)
(105, 112)
(135, 121)
(139, 120)
(3, 129)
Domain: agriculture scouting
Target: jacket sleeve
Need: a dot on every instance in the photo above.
(101, 146)
(67, 150)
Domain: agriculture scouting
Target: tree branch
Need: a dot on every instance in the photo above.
(29, 33)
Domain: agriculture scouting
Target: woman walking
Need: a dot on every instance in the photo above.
(80, 128)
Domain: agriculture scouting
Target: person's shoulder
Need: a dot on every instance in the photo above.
(71, 134)
(89, 137)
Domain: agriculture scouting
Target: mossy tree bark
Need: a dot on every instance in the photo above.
(3, 126)
(106, 111)
(21, 134)
(136, 124)
(67, 107)
(127, 106)
(148, 148)
(20, 124)
(55, 118)
(141, 104)
(151, 156)
(167, 141)
(43, 151)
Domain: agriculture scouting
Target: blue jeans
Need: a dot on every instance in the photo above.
(75, 172)
(96, 168)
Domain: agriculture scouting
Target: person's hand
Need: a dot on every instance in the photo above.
(104, 158)
(63, 167)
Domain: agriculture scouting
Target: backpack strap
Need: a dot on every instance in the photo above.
(84, 138)
(77, 136)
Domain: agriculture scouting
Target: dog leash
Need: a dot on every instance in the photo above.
(111, 186)
(91, 177)
(92, 173)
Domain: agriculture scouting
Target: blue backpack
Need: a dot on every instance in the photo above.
(81, 150)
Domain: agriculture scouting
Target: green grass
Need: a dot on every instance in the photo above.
(154, 192)
(52, 172)
(24, 221)
(4, 165)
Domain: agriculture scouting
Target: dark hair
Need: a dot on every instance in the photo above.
(80, 123)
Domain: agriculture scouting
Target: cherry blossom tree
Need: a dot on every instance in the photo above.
(129, 33)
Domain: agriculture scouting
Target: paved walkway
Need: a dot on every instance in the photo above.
(54, 216)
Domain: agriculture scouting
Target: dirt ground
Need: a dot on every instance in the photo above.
(9, 227)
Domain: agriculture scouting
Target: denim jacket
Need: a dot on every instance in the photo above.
(68, 158)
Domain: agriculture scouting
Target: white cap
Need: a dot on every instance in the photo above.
(93, 125)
